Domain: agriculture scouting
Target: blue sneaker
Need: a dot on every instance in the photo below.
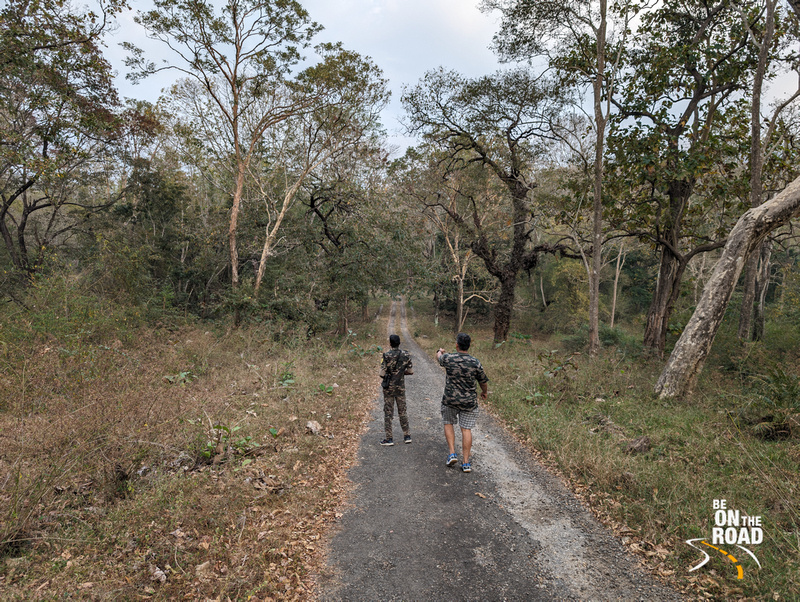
(407, 439)
(387, 442)
(466, 467)
(452, 459)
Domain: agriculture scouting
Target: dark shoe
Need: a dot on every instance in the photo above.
(466, 467)
(387, 442)
(407, 439)
(452, 459)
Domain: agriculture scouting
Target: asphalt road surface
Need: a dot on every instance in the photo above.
(416, 529)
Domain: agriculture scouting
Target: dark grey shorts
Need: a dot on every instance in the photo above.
(466, 419)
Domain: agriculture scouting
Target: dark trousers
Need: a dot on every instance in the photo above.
(389, 402)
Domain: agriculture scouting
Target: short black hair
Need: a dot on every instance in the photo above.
(394, 340)
(463, 341)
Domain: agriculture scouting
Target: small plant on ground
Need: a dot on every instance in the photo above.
(286, 378)
(181, 378)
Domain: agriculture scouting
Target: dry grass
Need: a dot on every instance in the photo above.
(173, 463)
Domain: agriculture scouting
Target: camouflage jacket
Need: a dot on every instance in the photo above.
(462, 371)
(396, 363)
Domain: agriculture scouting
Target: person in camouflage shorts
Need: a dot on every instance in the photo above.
(395, 366)
(460, 399)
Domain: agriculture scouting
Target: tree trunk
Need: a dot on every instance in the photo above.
(234, 224)
(687, 359)
(9, 240)
(756, 168)
(503, 309)
(597, 210)
(670, 271)
(459, 306)
(664, 297)
(541, 288)
(342, 325)
(748, 298)
(700, 273)
(762, 284)
(617, 272)
(232, 229)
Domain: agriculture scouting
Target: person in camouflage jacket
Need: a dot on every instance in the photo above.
(460, 399)
(395, 366)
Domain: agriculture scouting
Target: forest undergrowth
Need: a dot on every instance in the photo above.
(651, 469)
(145, 455)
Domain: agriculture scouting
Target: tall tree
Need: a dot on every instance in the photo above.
(349, 93)
(688, 357)
(420, 182)
(58, 121)
(765, 34)
(350, 231)
(690, 60)
(574, 36)
(502, 123)
(242, 58)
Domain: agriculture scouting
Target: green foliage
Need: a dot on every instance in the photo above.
(182, 378)
(223, 439)
(60, 123)
(58, 305)
(557, 367)
(568, 299)
(619, 338)
(286, 378)
(780, 390)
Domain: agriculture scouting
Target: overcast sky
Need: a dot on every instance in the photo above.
(405, 38)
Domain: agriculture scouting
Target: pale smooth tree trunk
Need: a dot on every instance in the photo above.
(541, 288)
(698, 277)
(756, 169)
(762, 284)
(687, 358)
(232, 229)
(272, 235)
(459, 322)
(617, 272)
(597, 210)
(234, 222)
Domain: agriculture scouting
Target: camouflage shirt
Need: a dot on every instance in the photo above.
(396, 362)
(462, 371)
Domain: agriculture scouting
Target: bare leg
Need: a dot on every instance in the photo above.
(450, 435)
(466, 443)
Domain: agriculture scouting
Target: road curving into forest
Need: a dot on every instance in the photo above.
(415, 529)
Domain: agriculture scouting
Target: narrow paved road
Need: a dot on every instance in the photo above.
(418, 530)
